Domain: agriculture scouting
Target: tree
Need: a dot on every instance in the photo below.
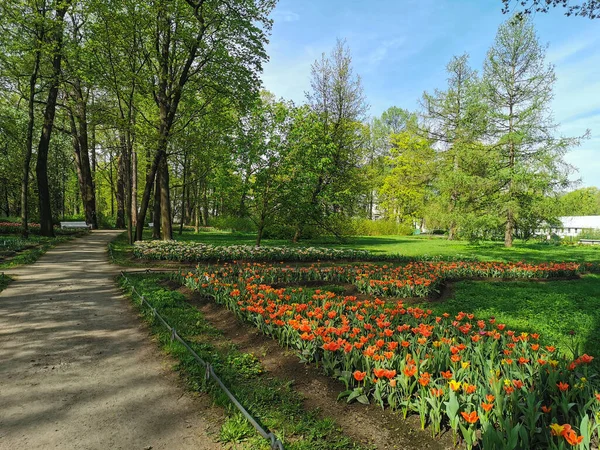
(267, 163)
(580, 202)
(55, 42)
(24, 26)
(406, 187)
(518, 90)
(589, 8)
(338, 103)
(456, 120)
(202, 48)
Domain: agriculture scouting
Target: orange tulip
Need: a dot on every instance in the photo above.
(470, 417)
(517, 383)
(389, 374)
(487, 406)
(562, 386)
(410, 370)
(379, 372)
(469, 388)
(437, 392)
(359, 376)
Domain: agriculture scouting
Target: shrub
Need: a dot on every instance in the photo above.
(384, 227)
(243, 224)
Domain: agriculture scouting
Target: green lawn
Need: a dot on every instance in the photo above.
(421, 245)
(405, 245)
(551, 308)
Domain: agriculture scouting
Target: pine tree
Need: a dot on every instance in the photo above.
(518, 90)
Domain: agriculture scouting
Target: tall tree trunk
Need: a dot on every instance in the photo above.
(156, 208)
(165, 202)
(41, 169)
(121, 176)
(206, 208)
(510, 217)
(150, 177)
(88, 194)
(134, 188)
(183, 193)
(28, 148)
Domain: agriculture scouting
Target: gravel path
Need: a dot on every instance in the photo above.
(77, 369)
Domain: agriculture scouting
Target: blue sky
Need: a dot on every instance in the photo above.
(400, 49)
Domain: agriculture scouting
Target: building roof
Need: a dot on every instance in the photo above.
(580, 221)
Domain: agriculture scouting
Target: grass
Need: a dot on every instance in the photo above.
(406, 245)
(273, 402)
(551, 308)
(4, 281)
(40, 245)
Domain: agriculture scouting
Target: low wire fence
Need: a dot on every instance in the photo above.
(275, 443)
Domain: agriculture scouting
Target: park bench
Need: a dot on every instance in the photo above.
(75, 225)
(150, 224)
(589, 241)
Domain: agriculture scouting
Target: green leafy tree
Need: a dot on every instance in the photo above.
(406, 189)
(588, 8)
(580, 202)
(518, 90)
(456, 120)
(337, 101)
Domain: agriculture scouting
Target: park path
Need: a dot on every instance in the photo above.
(78, 371)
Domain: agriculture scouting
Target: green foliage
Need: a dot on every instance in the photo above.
(518, 88)
(405, 190)
(39, 246)
(366, 227)
(234, 223)
(580, 202)
(4, 281)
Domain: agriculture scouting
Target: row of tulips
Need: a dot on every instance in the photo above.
(15, 227)
(416, 279)
(198, 252)
(195, 252)
(489, 385)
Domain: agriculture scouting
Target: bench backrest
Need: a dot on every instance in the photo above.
(73, 224)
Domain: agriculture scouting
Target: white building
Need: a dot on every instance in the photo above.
(573, 225)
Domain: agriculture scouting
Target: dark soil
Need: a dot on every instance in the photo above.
(369, 425)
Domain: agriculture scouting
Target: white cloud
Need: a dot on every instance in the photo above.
(285, 16)
(381, 52)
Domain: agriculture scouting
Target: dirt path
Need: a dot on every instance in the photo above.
(76, 369)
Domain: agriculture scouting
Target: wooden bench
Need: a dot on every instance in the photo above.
(75, 225)
(589, 241)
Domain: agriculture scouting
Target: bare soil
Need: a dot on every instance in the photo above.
(369, 425)
(78, 371)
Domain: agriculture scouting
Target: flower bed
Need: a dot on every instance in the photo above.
(12, 244)
(15, 227)
(488, 384)
(194, 252)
